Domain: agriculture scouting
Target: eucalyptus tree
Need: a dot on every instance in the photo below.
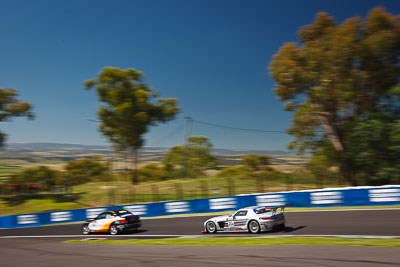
(128, 108)
(192, 158)
(11, 106)
(341, 80)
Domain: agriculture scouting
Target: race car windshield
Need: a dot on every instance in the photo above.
(263, 210)
(123, 213)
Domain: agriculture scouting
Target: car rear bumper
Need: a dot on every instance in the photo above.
(271, 226)
(129, 226)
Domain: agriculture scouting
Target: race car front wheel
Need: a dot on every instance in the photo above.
(211, 228)
(254, 227)
(113, 229)
(85, 229)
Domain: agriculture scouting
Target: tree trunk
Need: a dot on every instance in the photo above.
(135, 166)
(346, 168)
(331, 132)
(348, 172)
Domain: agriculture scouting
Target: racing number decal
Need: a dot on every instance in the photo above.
(230, 223)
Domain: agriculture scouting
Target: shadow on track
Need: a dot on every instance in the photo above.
(134, 232)
(286, 230)
(293, 229)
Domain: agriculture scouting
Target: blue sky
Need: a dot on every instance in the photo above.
(211, 54)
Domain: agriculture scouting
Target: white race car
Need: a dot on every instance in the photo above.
(251, 219)
(113, 222)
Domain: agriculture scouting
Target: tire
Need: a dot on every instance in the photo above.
(254, 227)
(113, 230)
(85, 229)
(211, 227)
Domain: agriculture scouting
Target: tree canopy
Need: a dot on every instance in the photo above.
(84, 170)
(342, 82)
(256, 163)
(12, 106)
(43, 176)
(194, 157)
(76, 172)
(129, 107)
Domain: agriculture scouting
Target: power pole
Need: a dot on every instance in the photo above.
(188, 128)
(186, 145)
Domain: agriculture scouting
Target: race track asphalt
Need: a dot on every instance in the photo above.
(51, 252)
(361, 222)
(31, 248)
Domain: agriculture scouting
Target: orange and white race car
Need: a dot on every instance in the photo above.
(113, 222)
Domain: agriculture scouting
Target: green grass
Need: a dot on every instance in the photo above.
(36, 205)
(100, 193)
(14, 163)
(52, 162)
(233, 241)
(5, 162)
(7, 171)
(121, 192)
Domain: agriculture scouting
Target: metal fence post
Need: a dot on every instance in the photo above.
(231, 186)
(320, 180)
(288, 182)
(204, 189)
(111, 196)
(155, 194)
(132, 194)
(179, 191)
(260, 184)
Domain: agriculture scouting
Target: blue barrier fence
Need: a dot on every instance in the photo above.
(331, 197)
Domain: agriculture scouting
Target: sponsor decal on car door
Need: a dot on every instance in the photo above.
(94, 225)
(101, 222)
(106, 222)
(240, 219)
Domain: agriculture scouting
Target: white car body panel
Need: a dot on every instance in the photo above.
(268, 218)
(99, 224)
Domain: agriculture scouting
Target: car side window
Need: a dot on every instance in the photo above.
(101, 216)
(241, 213)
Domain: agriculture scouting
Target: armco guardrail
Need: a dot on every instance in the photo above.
(350, 196)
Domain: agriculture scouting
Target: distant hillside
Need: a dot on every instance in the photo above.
(246, 152)
(21, 147)
(43, 147)
(16, 156)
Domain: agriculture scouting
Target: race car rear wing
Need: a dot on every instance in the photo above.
(280, 208)
(273, 209)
